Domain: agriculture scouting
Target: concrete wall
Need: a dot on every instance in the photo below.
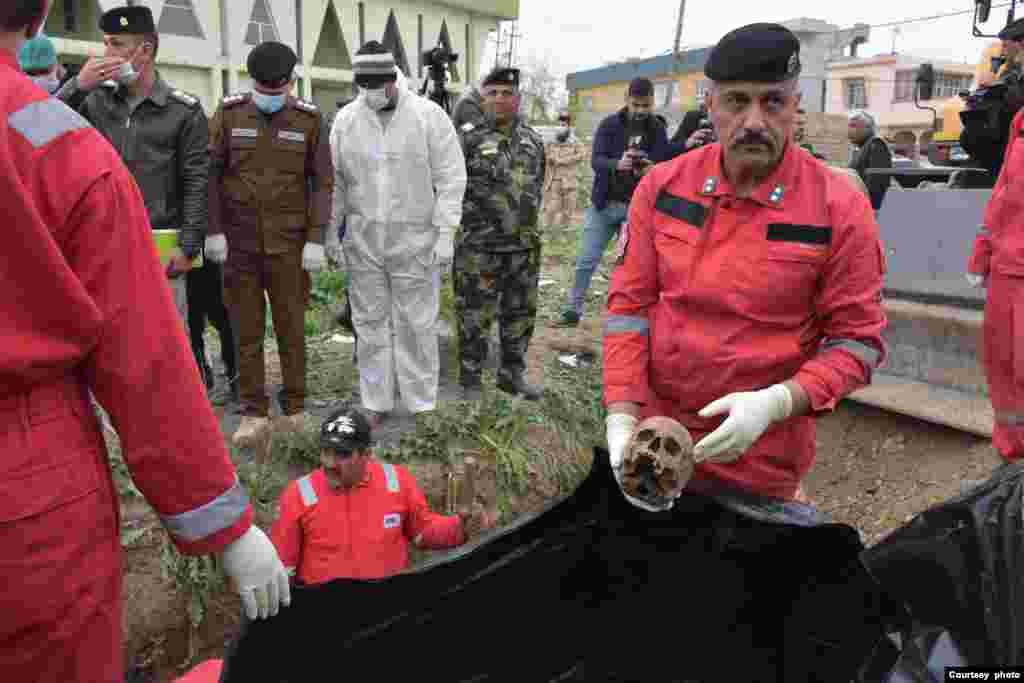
(212, 64)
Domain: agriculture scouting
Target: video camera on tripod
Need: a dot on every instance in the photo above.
(438, 61)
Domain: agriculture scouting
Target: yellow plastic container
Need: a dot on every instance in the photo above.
(167, 242)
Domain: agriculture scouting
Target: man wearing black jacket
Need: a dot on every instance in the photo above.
(626, 145)
(695, 131)
(872, 152)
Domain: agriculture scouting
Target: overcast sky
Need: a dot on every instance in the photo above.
(573, 35)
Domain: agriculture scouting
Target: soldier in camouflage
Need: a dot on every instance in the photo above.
(562, 185)
(497, 248)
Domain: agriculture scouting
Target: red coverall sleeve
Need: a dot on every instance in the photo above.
(980, 260)
(428, 530)
(143, 373)
(634, 288)
(849, 307)
(286, 533)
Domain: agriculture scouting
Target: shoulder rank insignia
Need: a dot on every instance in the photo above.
(306, 106)
(467, 127)
(776, 196)
(185, 98)
(237, 98)
(710, 183)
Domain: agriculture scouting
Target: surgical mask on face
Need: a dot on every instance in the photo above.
(127, 74)
(376, 98)
(47, 83)
(269, 104)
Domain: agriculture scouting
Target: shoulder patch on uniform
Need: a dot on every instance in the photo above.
(237, 98)
(185, 98)
(306, 106)
(43, 121)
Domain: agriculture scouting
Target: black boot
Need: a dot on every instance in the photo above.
(514, 383)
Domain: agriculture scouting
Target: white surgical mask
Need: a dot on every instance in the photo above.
(47, 83)
(127, 75)
(269, 104)
(376, 99)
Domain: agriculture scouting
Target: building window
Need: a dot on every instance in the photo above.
(856, 93)
(179, 18)
(904, 91)
(702, 90)
(950, 85)
(261, 25)
(664, 94)
(588, 103)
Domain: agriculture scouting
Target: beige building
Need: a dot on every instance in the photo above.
(204, 44)
(884, 86)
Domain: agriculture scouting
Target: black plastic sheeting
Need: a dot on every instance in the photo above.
(957, 567)
(592, 589)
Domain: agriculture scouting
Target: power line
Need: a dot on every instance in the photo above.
(934, 17)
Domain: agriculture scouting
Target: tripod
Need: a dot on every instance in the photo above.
(439, 94)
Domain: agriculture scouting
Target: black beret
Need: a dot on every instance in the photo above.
(640, 87)
(761, 53)
(271, 63)
(502, 75)
(132, 20)
(345, 430)
(1013, 31)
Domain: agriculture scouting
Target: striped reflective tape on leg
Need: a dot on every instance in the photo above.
(620, 324)
(217, 515)
(309, 496)
(44, 121)
(391, 476)
(870, 355)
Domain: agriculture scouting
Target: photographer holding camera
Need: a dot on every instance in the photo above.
(990, 108)
(694, 132)
(627, 144)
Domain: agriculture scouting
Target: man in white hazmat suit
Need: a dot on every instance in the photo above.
(400, 178)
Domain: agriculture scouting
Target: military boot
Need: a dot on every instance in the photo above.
(514, 383)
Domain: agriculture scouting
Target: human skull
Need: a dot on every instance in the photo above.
(658, 461)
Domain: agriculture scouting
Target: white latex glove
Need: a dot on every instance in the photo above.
(314, 257)
(750, 414)
(259, 575)
(975, 280)
(217, 248)
(619, 428)
(444, 250)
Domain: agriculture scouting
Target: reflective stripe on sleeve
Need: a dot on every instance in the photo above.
(306, 491)
(391, 476)
(618, 324)
(866, 353)
(44, 121)
(217, 515)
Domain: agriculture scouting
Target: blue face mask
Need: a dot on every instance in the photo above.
(269, 104)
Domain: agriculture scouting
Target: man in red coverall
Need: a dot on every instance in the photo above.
(997, 262)
(87, 308)
(749, 286)
(354, 517)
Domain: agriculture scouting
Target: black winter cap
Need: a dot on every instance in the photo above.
(640, 87)
(760, 53)
(502, 75)
(345, 430)
(130, 20)
(271, 63)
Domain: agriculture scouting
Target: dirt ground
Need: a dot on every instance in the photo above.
(874, 471)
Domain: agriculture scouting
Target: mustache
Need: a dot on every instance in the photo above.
(753, 138)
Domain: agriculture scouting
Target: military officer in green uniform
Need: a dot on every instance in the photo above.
(271, 181)
(497, 248)
(160, 133)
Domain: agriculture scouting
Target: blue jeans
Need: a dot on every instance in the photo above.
(599, 226)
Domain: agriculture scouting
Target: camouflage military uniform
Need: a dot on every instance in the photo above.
(562, 183)
(497, 247)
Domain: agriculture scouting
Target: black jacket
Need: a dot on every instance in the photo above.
(164, 144)
(610, 143)
(873, 154)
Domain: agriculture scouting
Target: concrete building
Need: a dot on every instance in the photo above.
(679, 85)
(884, 86)
(204, 44)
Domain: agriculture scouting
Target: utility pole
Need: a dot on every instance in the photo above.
(679, 33)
